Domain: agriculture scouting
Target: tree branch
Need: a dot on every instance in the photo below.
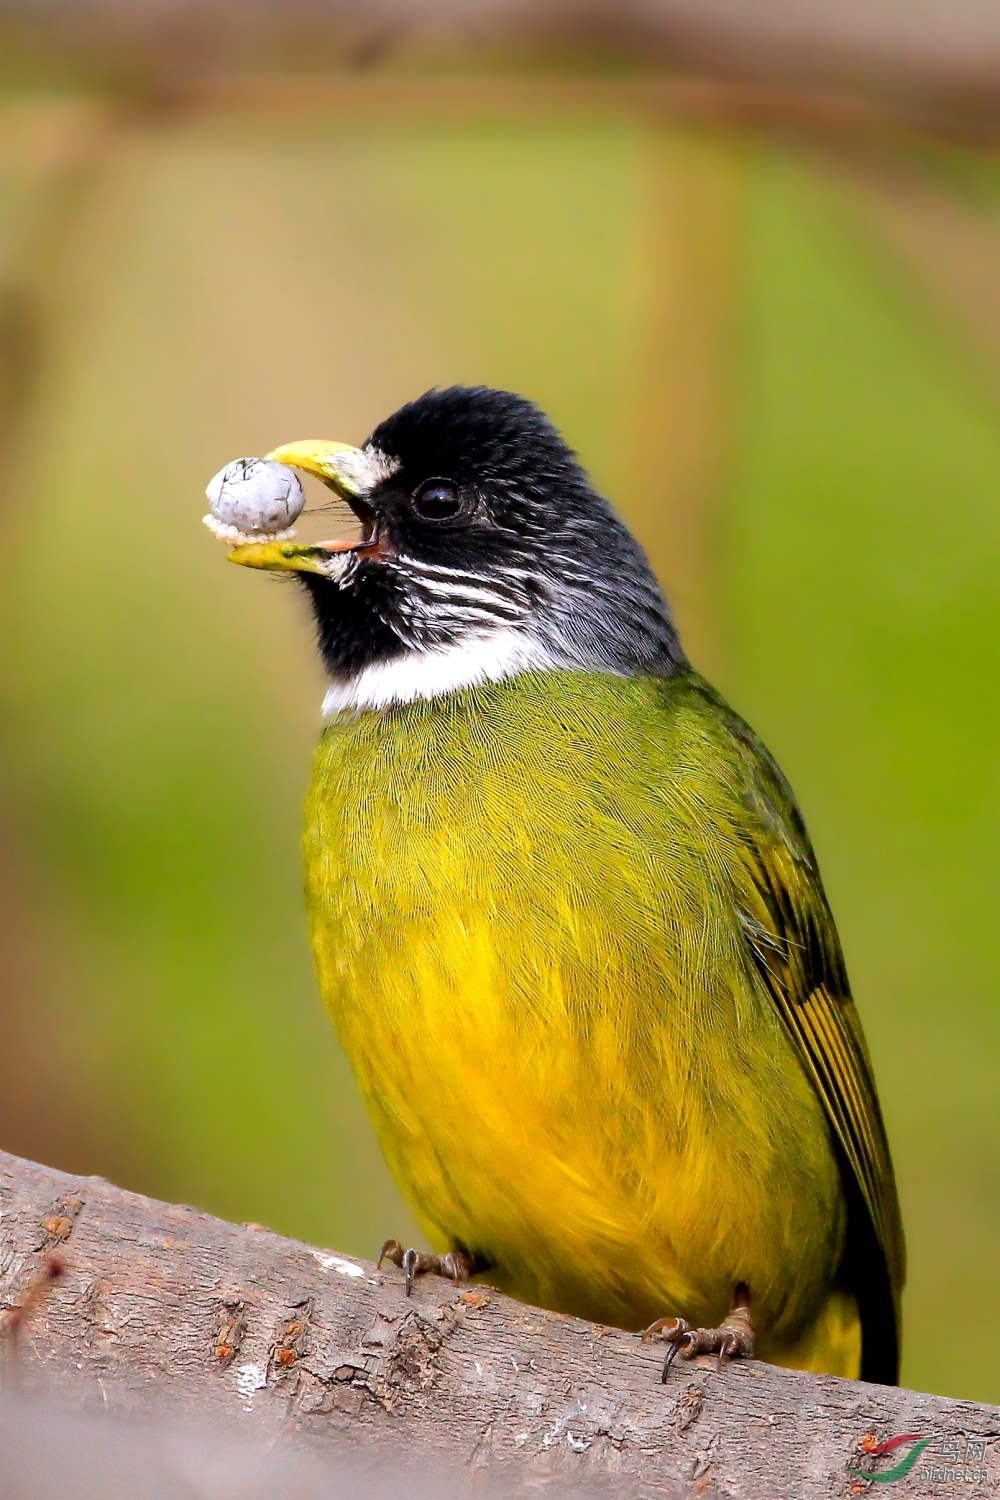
(142, 1306)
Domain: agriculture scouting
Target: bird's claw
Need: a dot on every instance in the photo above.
(733, 1339)
(455, 1266)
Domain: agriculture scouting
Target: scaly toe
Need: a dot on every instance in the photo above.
(734, 1339)
(669, 1329)
(455, 1266)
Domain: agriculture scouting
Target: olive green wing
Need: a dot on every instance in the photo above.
(793, 945)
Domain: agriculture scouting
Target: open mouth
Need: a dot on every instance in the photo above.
(329, 558)
(341, 468)
(370, 544)
(369, 540)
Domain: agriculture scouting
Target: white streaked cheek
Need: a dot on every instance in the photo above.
(438, 589)
(442, 570)
(499, 599)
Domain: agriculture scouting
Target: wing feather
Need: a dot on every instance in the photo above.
(793, 945)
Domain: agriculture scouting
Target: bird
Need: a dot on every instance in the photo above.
(567, 918)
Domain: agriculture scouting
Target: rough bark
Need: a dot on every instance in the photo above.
(144, 1308)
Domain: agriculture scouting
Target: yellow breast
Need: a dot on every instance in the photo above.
(523, 924)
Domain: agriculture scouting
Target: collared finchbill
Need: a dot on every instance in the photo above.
(525, 797)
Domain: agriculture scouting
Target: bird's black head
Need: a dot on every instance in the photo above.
(484, 544)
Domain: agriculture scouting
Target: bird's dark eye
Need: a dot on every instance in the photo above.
(436, 500)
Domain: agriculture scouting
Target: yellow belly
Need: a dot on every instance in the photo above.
(567, 1068)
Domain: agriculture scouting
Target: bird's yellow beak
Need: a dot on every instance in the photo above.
(290, 557)
(341, 467)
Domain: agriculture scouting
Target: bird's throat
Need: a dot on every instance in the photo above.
(413, 676)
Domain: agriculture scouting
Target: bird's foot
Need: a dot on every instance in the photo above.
(457, 1265)
(733, 1339)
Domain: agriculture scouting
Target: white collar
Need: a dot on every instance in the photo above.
(425, 675)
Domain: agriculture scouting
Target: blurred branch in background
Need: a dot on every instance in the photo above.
(932, 68)
(692, 241)
(52, 153)
(944, 242)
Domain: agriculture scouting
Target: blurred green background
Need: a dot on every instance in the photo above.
(771, 358)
